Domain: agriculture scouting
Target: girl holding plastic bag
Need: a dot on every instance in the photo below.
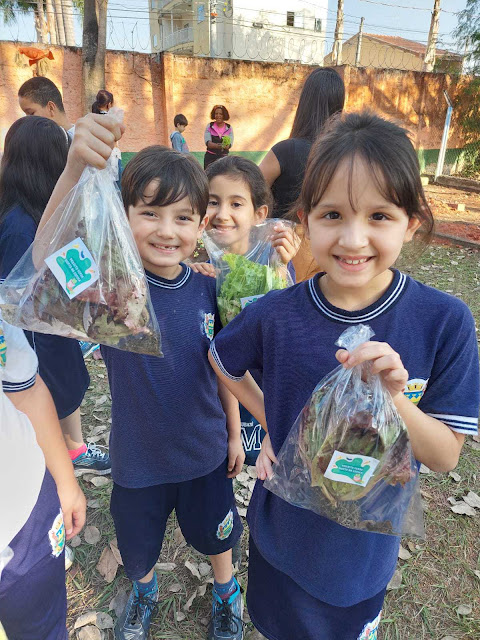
(361, 200)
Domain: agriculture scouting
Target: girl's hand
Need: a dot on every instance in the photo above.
(385, 361)
(95, 137)
(205, 268)
(74, 508)
(236, 457)
(286, 242)
(265, 459)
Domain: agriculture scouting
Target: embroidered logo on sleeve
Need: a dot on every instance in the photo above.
(56, 535)
(3, 348)
(415, 388)
(370, 630)
(225, 527)
(209, 325)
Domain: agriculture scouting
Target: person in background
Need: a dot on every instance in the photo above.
(103, 102)
(218, 135)
(176, 138)
(39, 96)
(35, 155)
(323, 94)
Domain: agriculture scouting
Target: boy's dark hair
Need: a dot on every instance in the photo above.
(178, 176)
(385, 147)
(41, 91)
(35, 155)
(323, 94)
(226, 115)
(180, 119)
(103, 99)
(242, 169)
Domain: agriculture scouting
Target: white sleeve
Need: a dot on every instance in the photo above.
(18, 361)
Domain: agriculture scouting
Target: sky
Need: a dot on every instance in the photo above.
(128, 25)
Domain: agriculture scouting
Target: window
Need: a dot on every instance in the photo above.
(155, 40)
(154, 4)
(318, 24)
(290, 18)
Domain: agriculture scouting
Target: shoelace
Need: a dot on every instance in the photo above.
(226, 619)
(136, 614)
(95, 451)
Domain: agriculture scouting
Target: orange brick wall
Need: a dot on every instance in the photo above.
(261, 97)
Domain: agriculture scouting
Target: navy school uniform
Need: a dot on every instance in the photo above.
(291, 336)
(61, 363)
(168, 442)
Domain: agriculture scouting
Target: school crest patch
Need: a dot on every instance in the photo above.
(56, 535)
(3, 349)
(370, 630)
(209, 325)
(415, 388)
(225, 527)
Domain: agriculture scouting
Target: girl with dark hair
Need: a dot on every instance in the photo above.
(361, 200)
(35, 155)
(103, 102)
(218, 135)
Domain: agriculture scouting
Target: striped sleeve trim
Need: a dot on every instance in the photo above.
(12, 387)
(460, 424)
(219, 364)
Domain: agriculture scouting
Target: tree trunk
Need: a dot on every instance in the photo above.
(59, 22)
(337, 44)
(52, 27)
(68, 22)
(40, 24)
(93, 50)
(429, 60)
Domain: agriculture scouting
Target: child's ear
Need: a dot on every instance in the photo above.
(261, 213)
(202, 226)
(304, 220)
(51, 108)
(414, 224)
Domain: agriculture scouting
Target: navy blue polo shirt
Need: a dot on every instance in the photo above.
(291, 336)
(60, 360)
(168, 424)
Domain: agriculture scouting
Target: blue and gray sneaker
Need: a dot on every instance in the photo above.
(227, 623)
(134, 621)
(94, 460)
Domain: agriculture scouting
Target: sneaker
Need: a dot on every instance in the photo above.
(227, 623)
(134, 621)
(69, 558)
(94, 460)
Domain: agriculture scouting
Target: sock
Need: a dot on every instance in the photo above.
(225, 590)
(75, 453)
(147, 588)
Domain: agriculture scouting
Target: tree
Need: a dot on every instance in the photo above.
(93, 49)
(467, 33)
(52, 17)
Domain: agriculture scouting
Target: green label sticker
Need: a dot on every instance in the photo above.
(74, 267)
(3, 348)
(351, 469)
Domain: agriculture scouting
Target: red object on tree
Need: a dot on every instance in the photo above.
(34, 55)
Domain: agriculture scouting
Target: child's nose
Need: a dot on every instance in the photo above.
(165, 230)
(353, 236)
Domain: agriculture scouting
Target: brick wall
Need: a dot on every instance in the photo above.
(261, 97)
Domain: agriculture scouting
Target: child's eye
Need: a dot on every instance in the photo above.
(332, 215)
(185, 218)
(379, 216)
(212, 203)
(148, 214)
(236, 204)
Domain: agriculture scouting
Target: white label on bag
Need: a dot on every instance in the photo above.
(249, 299)
(351, 469)
(74, 267)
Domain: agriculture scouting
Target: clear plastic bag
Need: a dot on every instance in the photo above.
(83, 277)
(348, 456)
(242, 279)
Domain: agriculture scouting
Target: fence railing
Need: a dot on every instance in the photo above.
(180, 36)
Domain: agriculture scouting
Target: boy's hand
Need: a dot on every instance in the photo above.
(286, 242)
(205, 268)
(95, 136)
(236, 457)
(385, 361)
(265, 459)
(74, 508)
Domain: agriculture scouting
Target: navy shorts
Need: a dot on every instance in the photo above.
(205, 509)
(281, 610)
(33, 600)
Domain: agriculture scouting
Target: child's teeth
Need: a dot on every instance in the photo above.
(355, 261)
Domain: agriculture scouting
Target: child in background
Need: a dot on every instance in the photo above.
(178, 141)
(40, 507)
(184, 426)
(361, 200)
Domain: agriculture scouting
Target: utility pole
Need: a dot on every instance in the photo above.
(337, 44)
(359, 43)
(429, 60)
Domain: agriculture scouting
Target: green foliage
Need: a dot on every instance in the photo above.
(11, 8)
(468, 32)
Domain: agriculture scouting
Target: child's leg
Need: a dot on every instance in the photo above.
(33, 602)
(72, 430)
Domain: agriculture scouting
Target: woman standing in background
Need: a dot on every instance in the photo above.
(218, 135)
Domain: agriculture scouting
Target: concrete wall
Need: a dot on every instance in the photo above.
(261, 97)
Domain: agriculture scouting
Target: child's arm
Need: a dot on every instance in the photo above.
(236, 454)
(37, 404)
(433, 442)
(286, 242)
(95, 137)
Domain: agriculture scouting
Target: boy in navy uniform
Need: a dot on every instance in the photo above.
(175, 440)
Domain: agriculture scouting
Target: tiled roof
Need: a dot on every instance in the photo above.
(410, 45)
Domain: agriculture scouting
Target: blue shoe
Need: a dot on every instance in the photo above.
(227, 623)
(94, 460)
(134, 621)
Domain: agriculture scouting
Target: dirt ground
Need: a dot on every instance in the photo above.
(444, 202)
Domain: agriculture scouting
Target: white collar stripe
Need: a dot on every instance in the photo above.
(171, 285)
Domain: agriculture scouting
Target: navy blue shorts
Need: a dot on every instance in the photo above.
(33, 600)
(281, 610)
(205, 509)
